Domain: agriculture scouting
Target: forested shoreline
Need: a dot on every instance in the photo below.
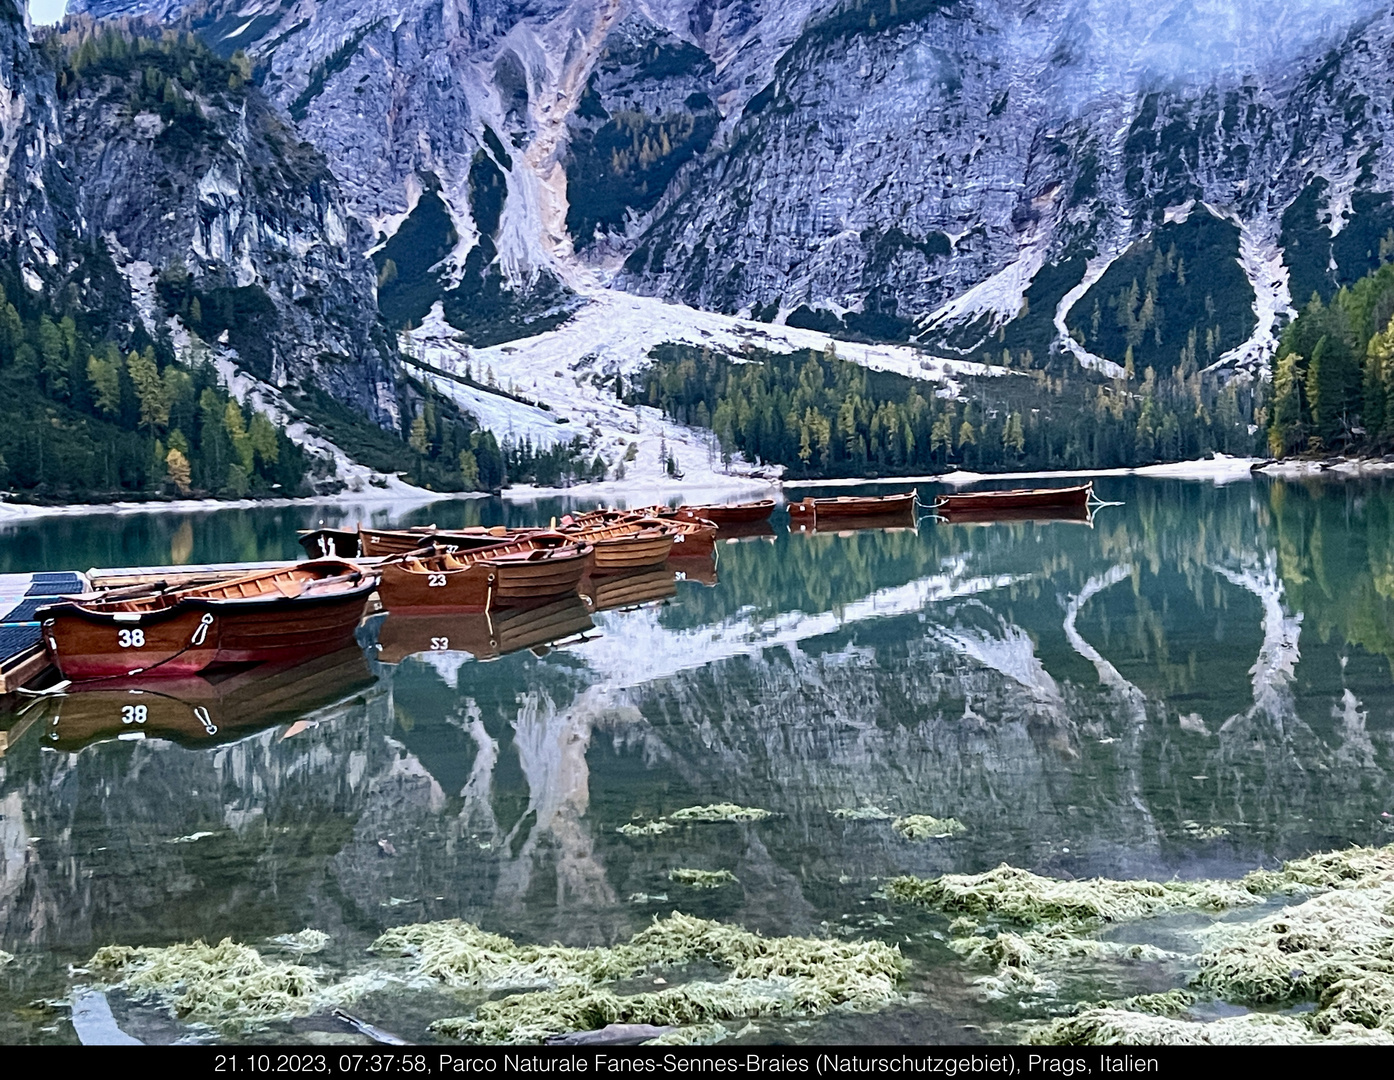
(1333, 375)
(821, 416)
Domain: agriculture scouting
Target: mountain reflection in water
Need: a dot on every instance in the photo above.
(1197, 685)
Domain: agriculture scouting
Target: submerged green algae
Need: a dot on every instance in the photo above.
(861, 813)
(1121, 1027)
(229, 985)
(649, 828)
(1335, 949)
(767, 977)
(926, 827)
(719, 812)
(1030, 899)
(702, 879)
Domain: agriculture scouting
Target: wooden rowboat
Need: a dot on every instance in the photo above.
(1018, 499)
(330, 543)
(400, 541)
(625, 545)
(726, 516)
(503, 575)
(275, 615)
(821, 512)
(691, 535)
(483, 635)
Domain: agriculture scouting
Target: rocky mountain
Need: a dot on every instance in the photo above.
(974, 174)
(145, 178)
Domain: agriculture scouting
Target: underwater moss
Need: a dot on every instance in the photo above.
(1120, 1027)
(228, 985)
(702, 879)
(1327, 870)
(649, 828)
(1171, 1003)
(696, 1035)
(925, 827)
(767, 976)
(1336, 949)
(861, 813)
(1029, 899)
(304, 941)
(719, 812)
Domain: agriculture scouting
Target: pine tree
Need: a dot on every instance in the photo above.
(417, 439)
(1287, 432)
(177, 470)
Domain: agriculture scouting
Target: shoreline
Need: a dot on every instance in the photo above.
(1222, 469)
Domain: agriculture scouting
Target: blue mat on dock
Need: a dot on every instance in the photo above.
(16, 637)
(23, 612)
(55, 584)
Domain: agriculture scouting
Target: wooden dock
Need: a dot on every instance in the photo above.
(22, 655)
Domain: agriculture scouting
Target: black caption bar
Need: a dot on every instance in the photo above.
(987, 1063)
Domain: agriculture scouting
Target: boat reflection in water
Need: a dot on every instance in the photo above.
(609, 592)
(201, 710)
(484, 635)
(900, 520)
(1083, 515)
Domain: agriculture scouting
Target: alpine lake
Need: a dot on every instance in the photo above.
(1193, 685)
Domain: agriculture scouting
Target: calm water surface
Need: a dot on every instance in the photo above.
(1086, 701)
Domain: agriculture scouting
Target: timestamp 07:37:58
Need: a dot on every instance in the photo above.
(395, 1064)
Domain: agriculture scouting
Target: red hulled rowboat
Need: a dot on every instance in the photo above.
(400, 541)
(989, 502)
(825, 513)
(625, 545)
(523, 572)
(725, 516)
(270, 616)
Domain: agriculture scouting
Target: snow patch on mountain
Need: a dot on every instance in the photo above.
(1093, 271)
(571, 372)
(1261, 259)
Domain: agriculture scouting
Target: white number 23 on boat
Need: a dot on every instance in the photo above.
(130, 639)
(435, 581)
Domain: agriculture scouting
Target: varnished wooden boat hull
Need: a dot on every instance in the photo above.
(392, 541)
(485, 584)
(735, 514)
(330, 543)
(389, 542)
(992, 501)
(826, 511)
(199, 634)
(195, 710)
(484, 636)
(694, 539)
(632, 552)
